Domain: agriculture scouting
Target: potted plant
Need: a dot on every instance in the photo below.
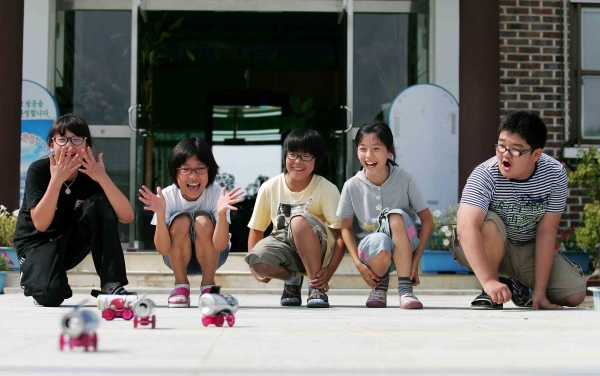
(587, 175)
(437, 258)
(3, 269)
(567, 245)
(8, 223)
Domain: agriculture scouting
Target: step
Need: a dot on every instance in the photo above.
(146, 271)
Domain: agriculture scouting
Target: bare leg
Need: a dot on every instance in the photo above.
(380, 263)
(207, 255)
(571, 300)
(269, 271)
(493, 244)
(181, 248)
(403, 251)
(308, 245)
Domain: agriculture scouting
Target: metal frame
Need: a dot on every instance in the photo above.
(333, 6)
(577, 71)
(133, 119)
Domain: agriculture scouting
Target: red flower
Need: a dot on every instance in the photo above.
(556, 249)
(564, 235)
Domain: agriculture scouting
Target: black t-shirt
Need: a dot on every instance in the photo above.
(36, 183)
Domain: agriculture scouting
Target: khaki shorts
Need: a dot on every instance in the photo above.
(279, 249)
(518, 262)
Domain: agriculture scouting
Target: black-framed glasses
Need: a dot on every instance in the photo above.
(304, 157)
(188, 171)
(62, 140)
(514, 152)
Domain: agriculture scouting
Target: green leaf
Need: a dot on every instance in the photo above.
(189, 54)
(151, 57)
(307, 105)
(176, 24)
(296, 104)
(310, 114)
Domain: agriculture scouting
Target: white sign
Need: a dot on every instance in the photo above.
(424, 121)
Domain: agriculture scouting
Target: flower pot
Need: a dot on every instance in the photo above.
(580, 257)
(11, 254)
(2, 280)
(441, 262)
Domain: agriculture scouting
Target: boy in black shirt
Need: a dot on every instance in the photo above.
(70, 207)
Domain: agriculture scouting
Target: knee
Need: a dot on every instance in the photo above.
(489, 231)
(260, 268)
(50, 297)
(179, 230)
(204, 228)
(573, 300)
(380, 264)
(299, 225)
(396, 223)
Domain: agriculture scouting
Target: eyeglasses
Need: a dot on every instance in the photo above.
(188, 171)
(62, 140)
(304, 157)
(514, 152)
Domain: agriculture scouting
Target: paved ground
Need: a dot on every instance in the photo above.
(349, 339)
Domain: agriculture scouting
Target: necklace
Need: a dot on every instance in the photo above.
(68, 190)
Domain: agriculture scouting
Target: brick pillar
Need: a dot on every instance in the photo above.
(11, 68)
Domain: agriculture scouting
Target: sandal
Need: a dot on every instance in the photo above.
(484, 301)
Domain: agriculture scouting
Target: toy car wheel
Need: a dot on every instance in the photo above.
(108, 314)
(95, 341)
(205, 321)
(135, 322)
(219, 320)
(61, 342)
(127, 314)
(230, 320)
(153, 321)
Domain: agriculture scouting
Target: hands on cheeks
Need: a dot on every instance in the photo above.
(62, 167)
(92, 168)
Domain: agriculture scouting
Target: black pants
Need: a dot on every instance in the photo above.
(92, 228)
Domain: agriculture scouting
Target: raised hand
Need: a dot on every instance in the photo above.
(155, 202)
(62, 167)
(226, 200)
(92, 168)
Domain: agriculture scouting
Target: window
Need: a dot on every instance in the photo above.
(586, 71)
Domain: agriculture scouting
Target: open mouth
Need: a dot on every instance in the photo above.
(506, 165)
(193, 187)
(370, 164)
(297, 169)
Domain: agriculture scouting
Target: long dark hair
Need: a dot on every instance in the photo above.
(383, 133)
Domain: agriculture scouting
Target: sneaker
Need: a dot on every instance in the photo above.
(291, 296)
(179, 298)
(521, 295)
(377, 298)
(409, 301)
(317, 299)
(119, 290)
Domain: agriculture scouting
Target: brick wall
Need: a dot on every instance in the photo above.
(532, 76)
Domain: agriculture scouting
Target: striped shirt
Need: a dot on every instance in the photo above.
(520, 204)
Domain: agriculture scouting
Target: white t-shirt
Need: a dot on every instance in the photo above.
(176, 203)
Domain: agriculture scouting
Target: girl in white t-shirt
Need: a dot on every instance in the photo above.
(191, 218)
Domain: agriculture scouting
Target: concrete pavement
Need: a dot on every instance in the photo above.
(444, 338)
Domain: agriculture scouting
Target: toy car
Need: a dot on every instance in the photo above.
(217, 308)
(119, 306)
(143, 310)
(79, 330)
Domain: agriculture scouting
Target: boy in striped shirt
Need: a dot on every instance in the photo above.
(508, 219)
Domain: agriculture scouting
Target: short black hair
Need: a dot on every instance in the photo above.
(192, 146)
(305, 140)
(383, 133)
(72, 123)
(527, 125)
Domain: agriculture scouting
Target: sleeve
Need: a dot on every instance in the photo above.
(558, 197)
(479, 189)
(331, 201)
(36, 183)
(345, 209)
(415, 195)
(261, 215)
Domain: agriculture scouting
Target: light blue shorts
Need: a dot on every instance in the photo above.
(373, 243)
(194, 267)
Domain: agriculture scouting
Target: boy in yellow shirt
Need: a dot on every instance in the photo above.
(306, 237)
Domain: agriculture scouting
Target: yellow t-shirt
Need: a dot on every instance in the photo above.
(276, 203)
